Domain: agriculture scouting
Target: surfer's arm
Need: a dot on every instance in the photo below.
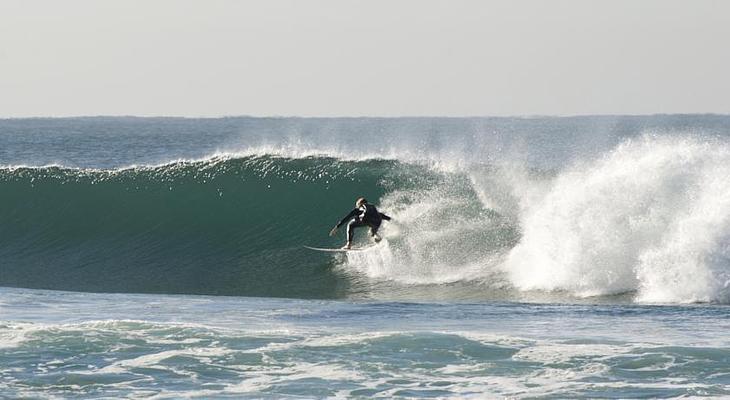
(347, 218)
(342, 222)
(385, 217)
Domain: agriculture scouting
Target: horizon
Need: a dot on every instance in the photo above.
(536, 116)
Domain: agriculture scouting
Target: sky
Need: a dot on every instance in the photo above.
(363, 58)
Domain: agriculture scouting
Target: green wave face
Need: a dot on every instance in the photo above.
(222, 226)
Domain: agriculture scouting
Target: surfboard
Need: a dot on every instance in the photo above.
(338, 250)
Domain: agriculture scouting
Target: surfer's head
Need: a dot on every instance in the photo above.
(360, 201)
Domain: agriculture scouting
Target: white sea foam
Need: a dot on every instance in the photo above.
(437, 236)
(651, 216)
(14, 333)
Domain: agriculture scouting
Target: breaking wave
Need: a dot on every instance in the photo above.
(649, 218)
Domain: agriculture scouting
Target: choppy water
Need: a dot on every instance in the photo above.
(540, 257)
(123, 345)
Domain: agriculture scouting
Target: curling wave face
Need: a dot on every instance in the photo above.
(221, 226)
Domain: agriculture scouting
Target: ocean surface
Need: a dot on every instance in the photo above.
(531, 257)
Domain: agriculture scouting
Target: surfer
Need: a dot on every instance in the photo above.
(364, 214)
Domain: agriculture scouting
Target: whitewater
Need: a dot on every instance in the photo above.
(527, 257)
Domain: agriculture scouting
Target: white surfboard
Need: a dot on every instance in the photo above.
(339, 250)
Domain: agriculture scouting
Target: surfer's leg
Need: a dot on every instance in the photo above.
(374, 232)
(351, 229)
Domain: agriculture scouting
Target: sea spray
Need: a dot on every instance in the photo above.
(649, 216)
(439, 234)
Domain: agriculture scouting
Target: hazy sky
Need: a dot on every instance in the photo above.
(354, 58)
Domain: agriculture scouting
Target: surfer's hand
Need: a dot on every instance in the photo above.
(333, 232)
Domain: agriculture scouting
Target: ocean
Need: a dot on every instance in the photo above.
(535, 257)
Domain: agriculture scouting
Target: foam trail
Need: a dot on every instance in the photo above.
(440, 233)
(651, 216)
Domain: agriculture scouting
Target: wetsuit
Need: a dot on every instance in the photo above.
(365, 215)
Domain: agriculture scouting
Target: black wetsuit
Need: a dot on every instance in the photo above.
(365, 215)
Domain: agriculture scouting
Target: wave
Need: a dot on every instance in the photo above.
(649, 218)
(231, 226)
